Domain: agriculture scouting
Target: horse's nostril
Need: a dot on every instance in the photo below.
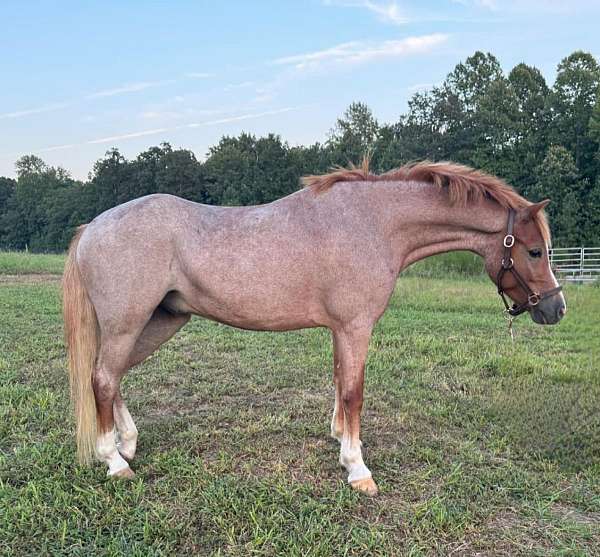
(562, 311)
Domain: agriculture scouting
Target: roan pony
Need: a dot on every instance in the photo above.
(325, 256)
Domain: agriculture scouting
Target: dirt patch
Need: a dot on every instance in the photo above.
(34, 278)
(571, 513)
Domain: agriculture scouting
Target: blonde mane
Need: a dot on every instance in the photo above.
(464, 184)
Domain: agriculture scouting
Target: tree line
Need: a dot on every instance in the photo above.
(543, 140)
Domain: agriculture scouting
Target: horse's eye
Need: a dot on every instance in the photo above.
(536, 252)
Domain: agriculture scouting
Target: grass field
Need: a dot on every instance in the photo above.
(479, 446)
(22, 263)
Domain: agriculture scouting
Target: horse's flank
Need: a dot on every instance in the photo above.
(465, 185)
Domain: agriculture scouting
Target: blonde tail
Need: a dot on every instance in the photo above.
(82, 337)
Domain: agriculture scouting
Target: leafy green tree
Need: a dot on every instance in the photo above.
(7, 189)
(495, 129)
(594, 125)
(354, 134)
(181, 174)
(30, 164)
(469, 118)
(111, 181)
(531, 125)
(38, 186)
(558, 179)
(247, 170)
(590, 231)
(572, 101)
(417, 135)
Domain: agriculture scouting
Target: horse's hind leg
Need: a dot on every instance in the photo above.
(161, 327)
(128, 433)
(112, 363)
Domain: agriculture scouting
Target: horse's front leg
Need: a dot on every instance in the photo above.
(337, 420)
(351, 345)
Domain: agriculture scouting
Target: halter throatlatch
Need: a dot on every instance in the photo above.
(508, 266)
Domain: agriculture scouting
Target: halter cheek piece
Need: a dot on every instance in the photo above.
(508, 266)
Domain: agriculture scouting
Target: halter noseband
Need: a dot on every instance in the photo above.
(508, 266)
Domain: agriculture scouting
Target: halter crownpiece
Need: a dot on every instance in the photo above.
(508, 266)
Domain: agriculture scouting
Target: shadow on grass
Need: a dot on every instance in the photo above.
(554, 421)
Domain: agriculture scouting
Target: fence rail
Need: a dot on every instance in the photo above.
(576, 264)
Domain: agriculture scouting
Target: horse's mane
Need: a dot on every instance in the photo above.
(463, 184)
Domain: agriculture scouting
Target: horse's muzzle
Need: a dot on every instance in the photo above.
(549, 311)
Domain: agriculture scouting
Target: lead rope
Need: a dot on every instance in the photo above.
(510, 329)
(510, 320)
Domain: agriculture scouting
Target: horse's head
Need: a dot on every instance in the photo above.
(520, 266)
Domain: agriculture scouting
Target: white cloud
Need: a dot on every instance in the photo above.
(357, 52)
(56, 148)
(156, 131)
(241, 117)
(165, 114)
(37, 110)
(126, 136)
(389, 12)
(129, 88)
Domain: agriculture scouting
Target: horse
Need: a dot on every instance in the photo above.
(328, 255)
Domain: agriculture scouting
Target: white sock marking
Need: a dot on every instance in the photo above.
(106, 450)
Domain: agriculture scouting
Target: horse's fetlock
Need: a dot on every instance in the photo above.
(129, 435)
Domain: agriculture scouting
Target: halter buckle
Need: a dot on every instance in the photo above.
(509, 241)
(533, 299)
(508, 265)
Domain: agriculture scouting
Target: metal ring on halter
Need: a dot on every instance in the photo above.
(509, 241)
(510, 263)
(534, 299)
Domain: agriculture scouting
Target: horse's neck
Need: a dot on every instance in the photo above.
(423, 223)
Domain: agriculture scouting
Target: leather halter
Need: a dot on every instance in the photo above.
(508, 266)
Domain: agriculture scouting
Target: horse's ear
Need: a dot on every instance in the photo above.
(534, 209)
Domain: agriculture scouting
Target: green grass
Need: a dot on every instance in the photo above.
(478, 445)
(25, 263)
(453, 264)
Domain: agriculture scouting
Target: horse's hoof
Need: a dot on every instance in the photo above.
(366, 486)
(124, 474)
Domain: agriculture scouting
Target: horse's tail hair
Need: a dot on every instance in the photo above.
(82, 339)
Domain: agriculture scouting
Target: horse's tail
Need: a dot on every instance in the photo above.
(82, 339)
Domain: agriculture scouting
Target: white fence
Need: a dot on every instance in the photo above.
(576, 264)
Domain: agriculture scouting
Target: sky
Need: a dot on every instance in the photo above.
(78, 78)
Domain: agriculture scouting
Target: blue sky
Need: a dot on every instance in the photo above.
(80, 77)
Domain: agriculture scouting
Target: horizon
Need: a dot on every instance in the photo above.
(187, 74)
